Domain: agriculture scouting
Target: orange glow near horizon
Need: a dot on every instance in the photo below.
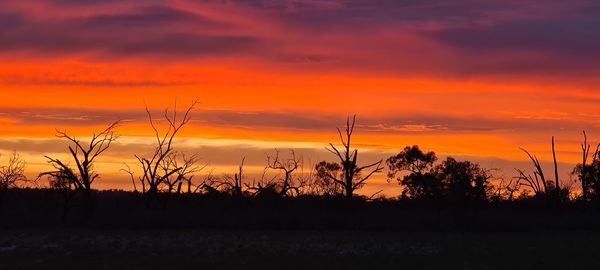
(269, 77)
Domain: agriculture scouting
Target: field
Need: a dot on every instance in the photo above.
(222, 249)
(126, 231)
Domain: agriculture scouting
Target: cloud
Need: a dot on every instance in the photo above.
(23, 80)
(554, 45)
(225, 155)
(145, 16)
(457, 39)
(60, 116)
(147, 30)
(214, 152)
(426, 38)
(307, 121)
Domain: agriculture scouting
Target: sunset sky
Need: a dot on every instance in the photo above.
(471, 79)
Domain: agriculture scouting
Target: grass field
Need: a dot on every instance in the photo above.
(84, 249)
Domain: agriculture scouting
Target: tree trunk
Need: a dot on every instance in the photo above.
(557, 182)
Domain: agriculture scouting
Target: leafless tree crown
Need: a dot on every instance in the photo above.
(538, 181)
(13, 172)
(84, 155)
(165, 166)
(353, 177)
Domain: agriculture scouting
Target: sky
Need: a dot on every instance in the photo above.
(470, 79)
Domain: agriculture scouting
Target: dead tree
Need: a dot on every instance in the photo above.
(235, 184)
(557, 187)
(538, 182)
(506, 190)
(156, 169)
(306, 181)
(185, 175)
(84, 155)
(129, 171)
(12, 174)
(586, 170)
(207, 184)
(227, 184)
(353, 177)
(287, 167)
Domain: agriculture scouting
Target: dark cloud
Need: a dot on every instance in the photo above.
(484, 38)
(406, 37)
(389, 15)
(304, 121)
(93, 2)
(154, 30)
(68, 116)
(146, 17)
(288, 120)
(184, 45)
(23, 80)
(571, 36)
(550, 45)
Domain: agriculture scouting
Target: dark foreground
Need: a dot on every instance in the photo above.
(41, 229)
(221, 249)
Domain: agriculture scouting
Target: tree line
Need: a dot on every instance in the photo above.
(421, 174)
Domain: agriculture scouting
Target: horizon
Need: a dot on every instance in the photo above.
(465, 79)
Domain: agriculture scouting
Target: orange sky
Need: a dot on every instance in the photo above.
(284, 74)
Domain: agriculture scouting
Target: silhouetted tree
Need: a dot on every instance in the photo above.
(541, 186)
(60, 182)
(592, 176)
(506, 189)
(183, 176)
(412, 169)
(286, 183)
(353, 176)
(158, 167)
(230, 185)
(324, 183)
(11, 174)
(307, 181)
(453, 180)
(464, 181)
(205, 185)
(84, 155)
(588, 171)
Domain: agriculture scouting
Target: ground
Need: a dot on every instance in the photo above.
(210, 249)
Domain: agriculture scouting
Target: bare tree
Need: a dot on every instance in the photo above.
(506, 189)
(212, 185)
(232, 185)
(557, 187)
(353, 176)
(287, 167)
(538, 182)
(587, 171)
(185, 175)
(206, 184)
(84, 155)
(129, 171)
(12, 174)
(307, 180)
(158, 167)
